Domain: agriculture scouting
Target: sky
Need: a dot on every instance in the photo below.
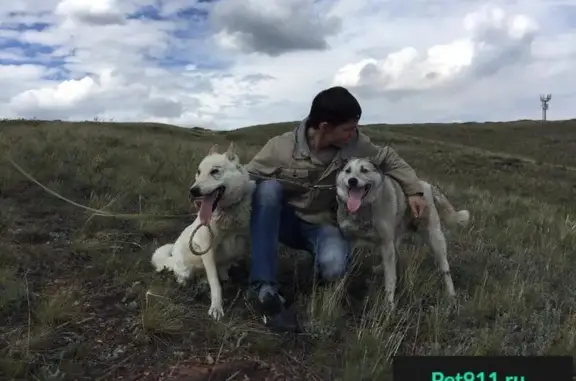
(226, 64)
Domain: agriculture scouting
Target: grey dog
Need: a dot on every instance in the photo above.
(373, 211)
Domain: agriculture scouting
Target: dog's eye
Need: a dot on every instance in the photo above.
(348, 170)
(214, 172)
(363, 170)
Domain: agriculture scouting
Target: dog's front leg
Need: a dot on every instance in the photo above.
(388, 253)
(216, 310)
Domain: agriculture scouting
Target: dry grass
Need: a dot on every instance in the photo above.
(80, 301)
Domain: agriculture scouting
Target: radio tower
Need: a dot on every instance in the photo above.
(544, 99)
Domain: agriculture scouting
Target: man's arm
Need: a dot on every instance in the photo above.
(393, 165)
(390, 162)
(264, 162)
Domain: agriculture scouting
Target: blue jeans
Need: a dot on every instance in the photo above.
(273, 220)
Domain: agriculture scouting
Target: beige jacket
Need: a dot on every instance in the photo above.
(288, 157)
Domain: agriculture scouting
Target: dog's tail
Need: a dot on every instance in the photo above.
(447, 211)
(162, 257)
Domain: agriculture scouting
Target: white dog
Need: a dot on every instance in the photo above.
(225, 190)
(373, 211)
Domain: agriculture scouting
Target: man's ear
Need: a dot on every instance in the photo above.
(323, 126)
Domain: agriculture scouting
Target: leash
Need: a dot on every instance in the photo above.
(98, 212)
(140, 216)
(302, 185)
(191, 244)
(211, 232)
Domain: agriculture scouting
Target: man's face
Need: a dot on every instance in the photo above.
(340, 134)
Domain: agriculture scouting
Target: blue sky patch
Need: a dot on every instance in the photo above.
(149, 13)
(21, 27)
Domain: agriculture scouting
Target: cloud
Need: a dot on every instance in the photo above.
(272, 27)
(102, 12)
(495, 41)
(227, 64)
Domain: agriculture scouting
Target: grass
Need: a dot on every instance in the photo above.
(80, 301)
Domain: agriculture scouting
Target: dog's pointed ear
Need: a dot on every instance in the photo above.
(231, 150)
(213, 150)
(231, 153)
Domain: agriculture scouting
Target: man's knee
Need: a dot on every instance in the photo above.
(333, 256)
(268, 192)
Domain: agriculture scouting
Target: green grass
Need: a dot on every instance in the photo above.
(80, 301)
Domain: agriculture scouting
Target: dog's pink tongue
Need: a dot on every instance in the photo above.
(205, 212)
(355, 199)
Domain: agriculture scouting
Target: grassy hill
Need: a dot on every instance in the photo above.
(73, 287)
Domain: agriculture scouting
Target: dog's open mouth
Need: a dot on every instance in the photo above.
(208, 204)
(355, 197)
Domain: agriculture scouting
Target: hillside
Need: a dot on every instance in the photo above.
(74, 286)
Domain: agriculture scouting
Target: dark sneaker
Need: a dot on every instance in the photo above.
(270, 305)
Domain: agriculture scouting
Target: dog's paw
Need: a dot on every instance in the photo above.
(391, 302)
(216, 311)
(452, 301)
(181, 280)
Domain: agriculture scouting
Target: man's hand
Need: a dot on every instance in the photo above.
(417, 204)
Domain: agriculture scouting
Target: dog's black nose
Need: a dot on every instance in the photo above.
(195, 192)
(353, 182)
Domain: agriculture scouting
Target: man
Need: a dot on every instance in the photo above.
(302, 217)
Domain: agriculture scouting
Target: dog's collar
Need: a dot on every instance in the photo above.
(247, 195)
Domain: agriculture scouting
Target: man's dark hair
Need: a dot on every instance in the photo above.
(335, 105)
